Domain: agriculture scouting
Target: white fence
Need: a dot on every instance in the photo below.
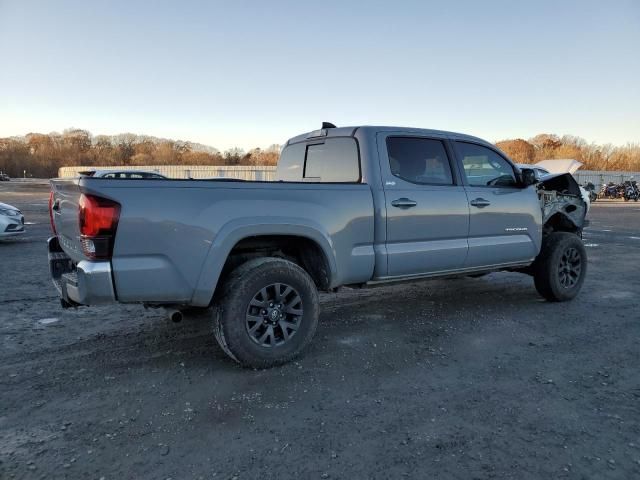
(599, 177)
(264, 173)
(259, 173)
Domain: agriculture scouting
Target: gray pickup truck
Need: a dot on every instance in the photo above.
(351, 206)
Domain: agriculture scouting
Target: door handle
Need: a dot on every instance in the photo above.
(404, 203)
(480, 202)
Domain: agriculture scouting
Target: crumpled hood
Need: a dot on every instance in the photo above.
(564, 165)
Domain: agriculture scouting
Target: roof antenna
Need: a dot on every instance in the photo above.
(328, 125)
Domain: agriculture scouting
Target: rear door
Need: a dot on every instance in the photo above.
(426, 205)
(504, 221)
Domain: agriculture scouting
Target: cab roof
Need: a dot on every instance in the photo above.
(373, 129)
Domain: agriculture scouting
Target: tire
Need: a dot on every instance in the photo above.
(267, 312)
(561, 267)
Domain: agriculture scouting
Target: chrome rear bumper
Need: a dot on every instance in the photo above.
(84, 283)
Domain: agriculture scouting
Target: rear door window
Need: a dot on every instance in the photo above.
(419, 160)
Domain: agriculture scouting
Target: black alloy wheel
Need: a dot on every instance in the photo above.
(569, 268)
(273, 315)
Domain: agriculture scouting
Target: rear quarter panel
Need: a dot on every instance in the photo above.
(174, 236)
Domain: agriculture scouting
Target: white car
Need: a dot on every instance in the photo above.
(11, 221)
(542, 172)
(135, 174)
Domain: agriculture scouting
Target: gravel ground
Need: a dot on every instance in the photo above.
(463, 378)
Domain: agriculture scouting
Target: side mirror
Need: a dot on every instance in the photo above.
(528, 177)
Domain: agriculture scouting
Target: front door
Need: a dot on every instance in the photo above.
(504, 221)
(426, 206)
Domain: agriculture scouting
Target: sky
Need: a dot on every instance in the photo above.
(254, 73)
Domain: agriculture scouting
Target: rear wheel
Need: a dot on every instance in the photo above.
(267, 314)
(561, 266)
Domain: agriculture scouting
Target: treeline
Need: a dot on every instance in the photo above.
(40, 155)
(594, 157)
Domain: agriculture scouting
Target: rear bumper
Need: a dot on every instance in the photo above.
(82, 283)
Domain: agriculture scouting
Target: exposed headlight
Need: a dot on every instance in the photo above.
(9, 212)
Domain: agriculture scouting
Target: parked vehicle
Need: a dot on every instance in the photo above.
(609, 190)
(590, 188)
(630, 191)
(4, 177)
(351, 206)
(135, 174)
(11, 221)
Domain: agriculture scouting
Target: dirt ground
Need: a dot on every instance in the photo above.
(470, 378)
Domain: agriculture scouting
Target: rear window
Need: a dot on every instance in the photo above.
(331, 160)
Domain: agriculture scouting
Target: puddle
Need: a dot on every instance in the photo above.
(30, 223)
(634, 238)
(47, 321)
(618, 295)
(350, 340)
(591, 244)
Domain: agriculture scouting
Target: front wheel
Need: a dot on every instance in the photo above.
(267, 313)
(561, 267)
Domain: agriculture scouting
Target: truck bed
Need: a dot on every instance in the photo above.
(173, 236)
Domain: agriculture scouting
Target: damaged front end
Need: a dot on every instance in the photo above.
(563, 207)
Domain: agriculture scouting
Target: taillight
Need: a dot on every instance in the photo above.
(98, 222)
(53, 224)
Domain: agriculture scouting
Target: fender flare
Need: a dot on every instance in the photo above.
(236, 230)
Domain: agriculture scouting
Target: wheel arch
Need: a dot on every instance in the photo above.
(561, 222)
(307, 245)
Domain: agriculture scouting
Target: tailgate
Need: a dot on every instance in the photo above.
(64, 206)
